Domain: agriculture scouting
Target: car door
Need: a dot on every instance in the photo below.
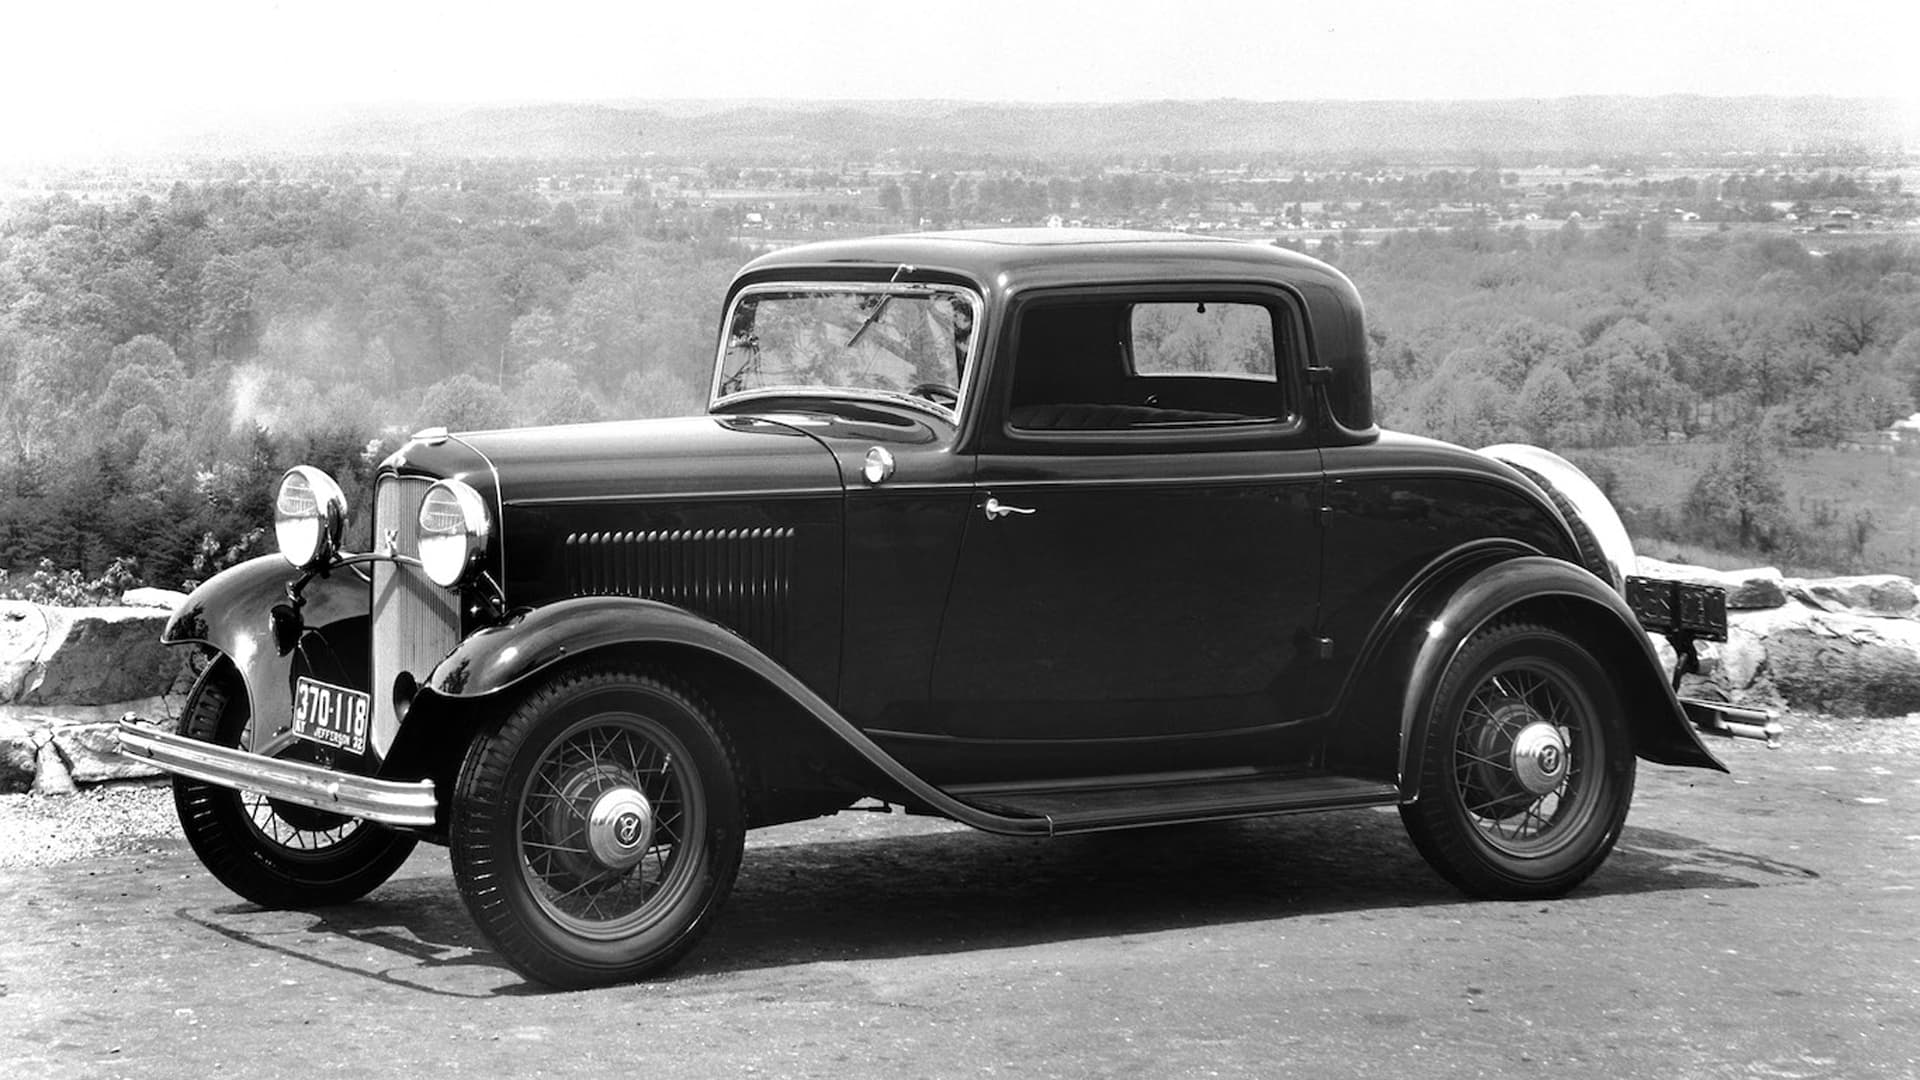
(1138, 578)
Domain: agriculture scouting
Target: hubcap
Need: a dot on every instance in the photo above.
(612, 826)
(1540, 757)
(620, 828)
(1524, 758)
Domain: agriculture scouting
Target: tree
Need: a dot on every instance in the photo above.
(1740, 491)
(464, 403)
(550, 393)
(1549, 407)
(601, 330)
(1636, 387)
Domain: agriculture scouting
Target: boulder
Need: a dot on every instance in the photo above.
(51, 776)
(1747, 590)
(83, 656)
(1886, 595)
(17, 755)
(153, 598)
(92, 753)
(23, 639)
(1847, 665)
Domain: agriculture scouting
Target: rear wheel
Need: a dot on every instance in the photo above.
(598, 829)
(1527, 772)
(276, 854)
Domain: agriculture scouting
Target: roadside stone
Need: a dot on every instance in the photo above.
(87, 656)
(1885, 595)
(17, 753)
(1747, 590)
(92, 754)
(51, 776)
(1848, 665)
(153, 598)
(23, 638)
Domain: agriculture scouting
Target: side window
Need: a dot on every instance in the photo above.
(1148, 365)
(1202, 339)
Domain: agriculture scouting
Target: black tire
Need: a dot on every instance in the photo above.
(573, 904)
(1528, 770)
(276, 854)
(1592, 556)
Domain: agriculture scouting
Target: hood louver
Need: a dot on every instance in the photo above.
(740, 578)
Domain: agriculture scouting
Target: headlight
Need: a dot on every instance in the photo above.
(309, 512)
(454, 527)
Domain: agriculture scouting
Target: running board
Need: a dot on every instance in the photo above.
(1123, 802)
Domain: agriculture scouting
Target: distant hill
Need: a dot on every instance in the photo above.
(784, 132)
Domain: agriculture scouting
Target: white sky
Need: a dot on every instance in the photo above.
(82, 74)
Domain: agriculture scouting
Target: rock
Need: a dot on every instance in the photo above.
(84, 656)
(154, 598)
(1849, 665)
(17, 754)
(1886, 595)
(51, 776)
(1747, 590)
(23, 638)
(92, 753)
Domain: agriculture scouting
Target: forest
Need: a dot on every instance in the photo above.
(163, 358)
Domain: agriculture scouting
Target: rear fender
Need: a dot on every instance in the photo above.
(232, 613)
(1559, 594)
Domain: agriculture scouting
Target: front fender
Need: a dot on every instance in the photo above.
(231, 613)
(501, 657)
(1567, 596)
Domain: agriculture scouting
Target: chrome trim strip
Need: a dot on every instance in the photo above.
(389, 802)
(678, 496)
(1182, 481)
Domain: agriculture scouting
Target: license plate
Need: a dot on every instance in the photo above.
(1668, 607)
(331, 715)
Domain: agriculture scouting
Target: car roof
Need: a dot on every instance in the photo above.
(1040, 256)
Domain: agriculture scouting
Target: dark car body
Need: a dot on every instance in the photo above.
(1063, 593)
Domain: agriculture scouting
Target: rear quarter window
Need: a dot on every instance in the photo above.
(1202, 339)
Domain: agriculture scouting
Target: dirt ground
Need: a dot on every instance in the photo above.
(1763, 924)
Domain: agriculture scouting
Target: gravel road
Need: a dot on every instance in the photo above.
(122, 818)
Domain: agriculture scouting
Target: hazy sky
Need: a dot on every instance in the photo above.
(85, 74)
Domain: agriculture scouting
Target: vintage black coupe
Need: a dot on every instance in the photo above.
(1042, 531)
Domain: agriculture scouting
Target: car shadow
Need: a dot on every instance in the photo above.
(962, 891)
(902, 896)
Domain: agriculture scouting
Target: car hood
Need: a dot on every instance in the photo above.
(704, 455)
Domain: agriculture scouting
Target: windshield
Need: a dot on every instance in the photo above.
(860, 339)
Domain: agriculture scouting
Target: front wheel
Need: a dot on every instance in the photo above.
(1527, 771)
(597, 830)
(276, 854)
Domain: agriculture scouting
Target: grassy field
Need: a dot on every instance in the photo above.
(1825, 492)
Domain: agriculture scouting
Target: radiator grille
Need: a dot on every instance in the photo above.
(415, 622)
(739, 578)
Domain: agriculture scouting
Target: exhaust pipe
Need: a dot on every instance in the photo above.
(1733, 721)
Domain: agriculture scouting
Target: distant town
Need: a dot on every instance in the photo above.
(763, 205)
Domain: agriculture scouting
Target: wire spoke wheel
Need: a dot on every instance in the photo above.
(1519, 757)
(276, 854)
(584, 883)
(597, 827)
(1527, 770)
(300, 830)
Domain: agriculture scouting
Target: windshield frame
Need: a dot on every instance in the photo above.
(716, 401)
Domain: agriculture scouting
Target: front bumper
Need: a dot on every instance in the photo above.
(404, 803)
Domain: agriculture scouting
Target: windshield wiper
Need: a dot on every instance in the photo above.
(880, 308)
(874, 317)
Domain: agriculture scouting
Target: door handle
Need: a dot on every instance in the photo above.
(997, 509)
